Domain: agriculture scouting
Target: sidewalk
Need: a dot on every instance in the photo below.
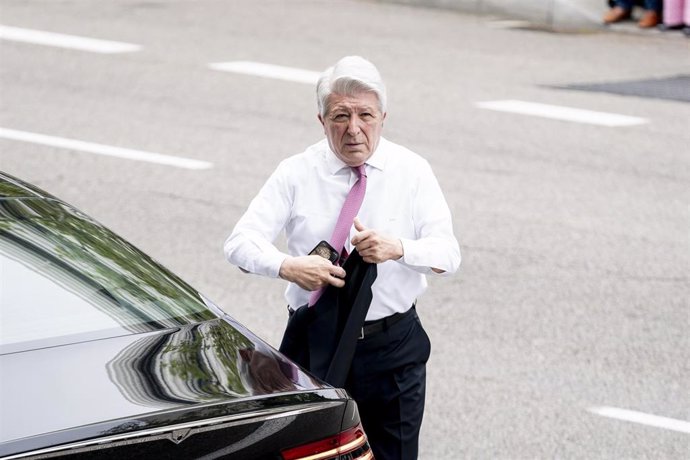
(553, 15)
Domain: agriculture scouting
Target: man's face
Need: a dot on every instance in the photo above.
(353, 126)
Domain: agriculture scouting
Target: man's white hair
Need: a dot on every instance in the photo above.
(349, 76)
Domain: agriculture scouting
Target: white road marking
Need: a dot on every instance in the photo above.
(268, 70)
(642, 418)
(100, 149)
(562, 113)
(39, 37)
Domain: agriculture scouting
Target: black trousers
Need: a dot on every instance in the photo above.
(388, 381)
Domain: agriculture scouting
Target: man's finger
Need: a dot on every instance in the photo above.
(358, 225)
(337, 282)
(362, 233)
(338, 272)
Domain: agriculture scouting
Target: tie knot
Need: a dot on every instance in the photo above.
(360, 171)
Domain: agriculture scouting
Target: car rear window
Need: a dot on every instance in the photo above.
(64, 278)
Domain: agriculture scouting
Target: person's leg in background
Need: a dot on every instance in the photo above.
(651, 15)
(620, 11)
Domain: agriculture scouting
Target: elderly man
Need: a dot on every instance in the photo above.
(402, 224)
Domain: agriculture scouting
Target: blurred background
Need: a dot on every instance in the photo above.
(563, 149)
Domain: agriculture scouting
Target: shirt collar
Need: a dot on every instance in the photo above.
(377, 160)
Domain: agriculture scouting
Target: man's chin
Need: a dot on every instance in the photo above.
(355, 158)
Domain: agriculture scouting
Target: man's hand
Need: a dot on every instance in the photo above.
(375, 247)
(311, 272)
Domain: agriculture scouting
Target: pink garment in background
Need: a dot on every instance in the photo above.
(676, 13)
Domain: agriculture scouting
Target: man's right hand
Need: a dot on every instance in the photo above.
(312, 272)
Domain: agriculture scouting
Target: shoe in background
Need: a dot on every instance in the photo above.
(616, 14)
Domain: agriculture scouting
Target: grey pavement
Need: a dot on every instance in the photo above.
(556, 14)
(574, 287)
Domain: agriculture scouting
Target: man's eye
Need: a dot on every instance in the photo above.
(340, 117)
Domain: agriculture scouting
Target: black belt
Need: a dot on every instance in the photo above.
(374, 327)
(378, 325)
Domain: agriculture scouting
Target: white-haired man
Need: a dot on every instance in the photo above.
(403, 225)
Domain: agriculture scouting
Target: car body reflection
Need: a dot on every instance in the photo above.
(104, 351)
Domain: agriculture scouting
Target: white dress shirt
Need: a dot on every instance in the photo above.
(304, 196)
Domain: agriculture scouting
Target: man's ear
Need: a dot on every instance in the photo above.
(321, 120)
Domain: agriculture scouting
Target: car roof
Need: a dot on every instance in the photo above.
(11, 187)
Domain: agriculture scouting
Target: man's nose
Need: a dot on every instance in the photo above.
(353, 127)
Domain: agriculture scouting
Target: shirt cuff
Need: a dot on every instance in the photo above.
(425, 254)
(413, 255)
(274, 262)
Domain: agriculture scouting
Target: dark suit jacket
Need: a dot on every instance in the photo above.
(322, 338)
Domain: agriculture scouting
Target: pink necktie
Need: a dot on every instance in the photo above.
(346, 218)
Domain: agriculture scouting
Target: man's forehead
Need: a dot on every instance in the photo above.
(358, 100)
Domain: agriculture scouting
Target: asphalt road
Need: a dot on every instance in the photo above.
(574, 288)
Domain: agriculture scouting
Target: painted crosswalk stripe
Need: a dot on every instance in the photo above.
(562, 113)
(101, 149)
(642, 418)
(260, 69)
(39, 37)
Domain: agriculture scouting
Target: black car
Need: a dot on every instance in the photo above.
(104, 353)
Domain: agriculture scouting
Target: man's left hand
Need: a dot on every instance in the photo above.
(375, 247)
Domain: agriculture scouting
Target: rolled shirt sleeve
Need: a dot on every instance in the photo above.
(250, 245)
(434, 245)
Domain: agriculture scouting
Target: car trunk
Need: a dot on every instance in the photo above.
(163, 387)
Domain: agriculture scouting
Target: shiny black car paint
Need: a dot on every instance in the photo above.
(175, 377)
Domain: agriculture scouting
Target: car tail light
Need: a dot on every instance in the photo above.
(350, 444)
